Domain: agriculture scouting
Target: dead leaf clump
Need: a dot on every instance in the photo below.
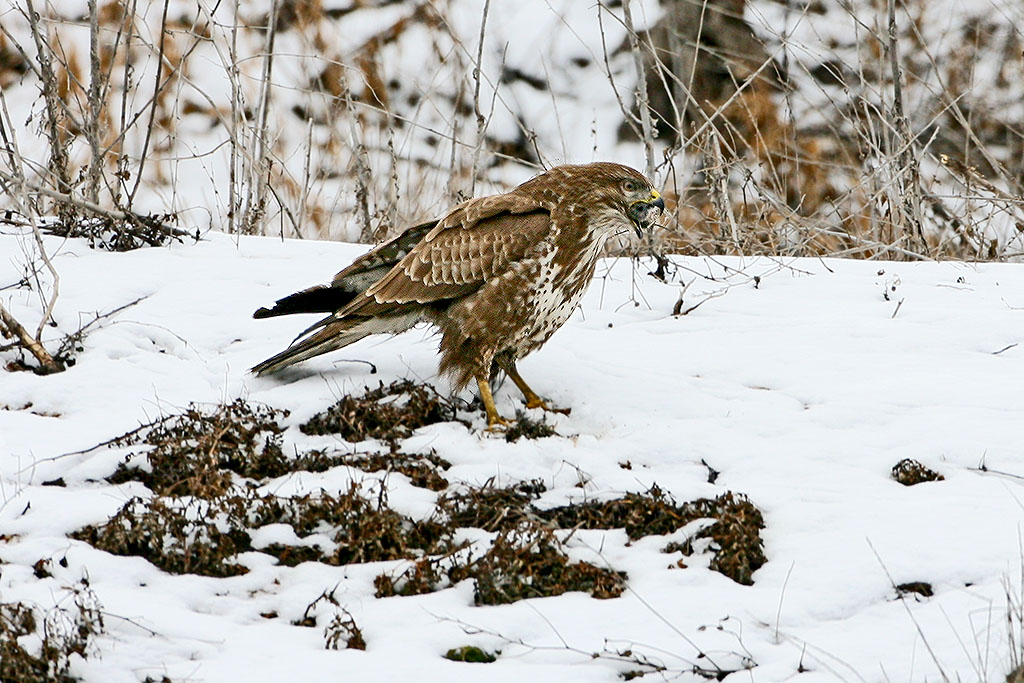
(364, 531)
(178, 536)
(196, 452)
(910, 472)
(388, 413)
(525, 561)
(652, 513)
(735, 534)
(529, 561)
(423, 470)
(489, 507)
(525, 427)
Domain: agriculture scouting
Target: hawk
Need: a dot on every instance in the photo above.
(496, 275)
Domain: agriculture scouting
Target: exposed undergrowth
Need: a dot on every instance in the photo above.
(39, 647)
(207, 468)
(388, 413)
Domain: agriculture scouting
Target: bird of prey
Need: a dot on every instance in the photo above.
(497, 275)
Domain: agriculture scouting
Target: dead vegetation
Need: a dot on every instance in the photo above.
(387, 414)
(526, 561)
(423, 470)
(198, 452)
(895, 139)
(205, 467)
(39, 648)
(344, 630)
(910, 472)
(529, 561)
(178, 536)
(526, 427)
(736, 544)
(489, 507)
(471, 654)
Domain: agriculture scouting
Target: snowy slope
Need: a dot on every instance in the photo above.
(802, 387)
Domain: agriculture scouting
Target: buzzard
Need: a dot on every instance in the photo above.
(497, 275)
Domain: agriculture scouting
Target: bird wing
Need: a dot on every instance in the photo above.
(374, 264)
(453, 260)
(463, 251)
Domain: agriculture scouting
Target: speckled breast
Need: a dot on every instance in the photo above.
(558, 293)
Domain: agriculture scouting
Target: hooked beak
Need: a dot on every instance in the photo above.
(642, 212)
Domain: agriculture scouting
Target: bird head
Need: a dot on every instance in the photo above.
(603, 186)
(642, 200)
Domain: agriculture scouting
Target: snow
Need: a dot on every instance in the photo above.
(802, 387)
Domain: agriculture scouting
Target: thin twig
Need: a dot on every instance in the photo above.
(481, 122)
(641, 91)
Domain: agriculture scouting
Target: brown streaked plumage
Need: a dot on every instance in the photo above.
(497, 275)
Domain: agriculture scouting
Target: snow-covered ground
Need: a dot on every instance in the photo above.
(800, 383)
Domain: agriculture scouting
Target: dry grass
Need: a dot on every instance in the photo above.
(766, 145)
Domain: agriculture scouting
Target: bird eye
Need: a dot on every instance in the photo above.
(630, 186)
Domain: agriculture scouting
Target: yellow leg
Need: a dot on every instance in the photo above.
(532, 399)
(494, 420)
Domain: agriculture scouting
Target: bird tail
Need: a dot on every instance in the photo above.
(335, 334)
(319, 299)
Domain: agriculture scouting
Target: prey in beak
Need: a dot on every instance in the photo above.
(643, 214)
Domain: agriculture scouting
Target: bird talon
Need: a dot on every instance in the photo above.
(498, 425)
(537, 402)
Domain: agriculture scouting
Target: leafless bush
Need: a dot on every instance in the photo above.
(783, 141)
(878, 141)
